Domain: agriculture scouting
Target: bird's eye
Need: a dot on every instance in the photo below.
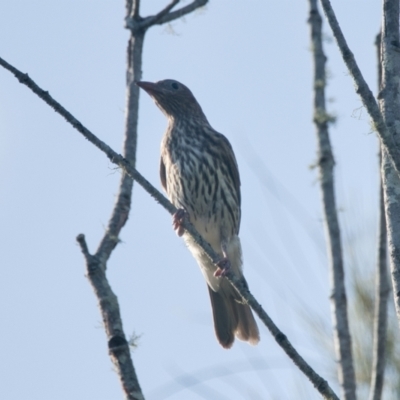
(175, 85)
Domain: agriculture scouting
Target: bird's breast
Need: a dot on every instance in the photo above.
(198, 182)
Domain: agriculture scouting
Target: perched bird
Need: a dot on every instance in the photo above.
(199, 172)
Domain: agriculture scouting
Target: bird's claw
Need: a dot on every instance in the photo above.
(177, 220)
(223, 267)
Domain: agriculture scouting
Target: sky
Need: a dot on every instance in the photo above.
(250, 67)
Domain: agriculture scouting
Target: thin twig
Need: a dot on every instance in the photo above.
(319, 383)
(382, 287)
(182, 11)
(166, 15)
(385, 132)
(155, 19)
(342, 337)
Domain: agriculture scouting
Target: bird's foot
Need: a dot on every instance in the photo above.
(223, 267)
(177, 220)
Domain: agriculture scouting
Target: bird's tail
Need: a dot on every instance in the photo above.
(232, 318)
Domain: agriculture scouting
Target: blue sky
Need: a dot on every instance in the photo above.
(249, 65)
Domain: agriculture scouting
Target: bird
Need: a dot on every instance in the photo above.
(199, 173)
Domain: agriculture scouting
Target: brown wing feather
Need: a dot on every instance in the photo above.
(231, 163)
(163, 174)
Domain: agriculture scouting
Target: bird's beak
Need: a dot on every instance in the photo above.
(149, 87)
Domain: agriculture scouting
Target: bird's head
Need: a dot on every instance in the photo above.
(173, 98)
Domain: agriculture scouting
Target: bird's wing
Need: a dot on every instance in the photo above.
(230, 161)
(163, 174)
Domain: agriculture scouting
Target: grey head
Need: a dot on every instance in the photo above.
(174, 99)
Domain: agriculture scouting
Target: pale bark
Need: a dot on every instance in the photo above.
(390, 105)
(386, 121)
(382, 287)
(386, 133)
(380, 314)
(341, 331)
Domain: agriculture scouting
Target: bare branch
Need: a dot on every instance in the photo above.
(97, 264)
(387, 122)
(385, 131)
(342, 338)
(121, 210)
(390, 104)
(108, 303)
(118, 346)
(391, 185)
(380, 313)
(149, 21)
(137, 24)
(319, 383)
(84, 247)
(382, 283)
(182, 11)
(128, 7)
(135, 8)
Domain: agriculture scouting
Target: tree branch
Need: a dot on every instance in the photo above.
(118, 346)
(380, 314)
(182, 11)
(382, 287)
(149, 21)
(319, 383)
(136, 24)
(133, 8)
(385, 132)
(390, 105)
(97, 264)
(128, 7)
(121, 210)
(342, 338)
